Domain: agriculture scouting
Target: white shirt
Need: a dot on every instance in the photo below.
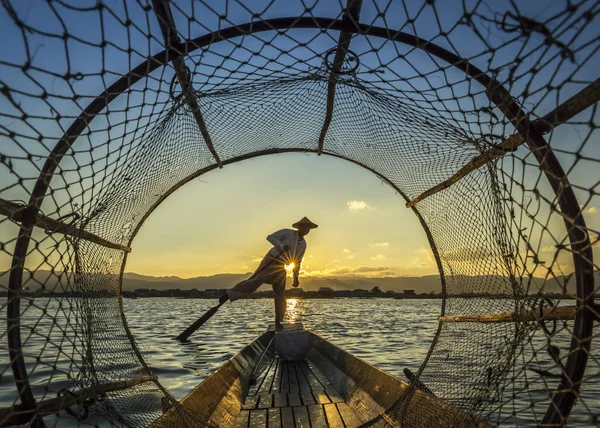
(297, 245)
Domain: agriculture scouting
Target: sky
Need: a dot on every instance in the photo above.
(219, 222)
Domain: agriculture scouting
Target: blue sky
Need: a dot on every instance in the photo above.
(219, 224)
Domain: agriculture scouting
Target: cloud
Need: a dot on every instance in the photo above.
(549, 249)
(346, 271)
(424, 259)
(350, 256)
(379, 257)
(257, 259)
(364, 269)
(379, 244)
(336, 261)
(590, 210)
(345, 250)
(358, 205)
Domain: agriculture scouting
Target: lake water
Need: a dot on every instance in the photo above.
(388, 333)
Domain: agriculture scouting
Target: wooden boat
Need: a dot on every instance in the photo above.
(295, 378)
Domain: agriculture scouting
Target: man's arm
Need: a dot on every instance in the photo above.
(275, 239)
(297, 267)
(296, 273)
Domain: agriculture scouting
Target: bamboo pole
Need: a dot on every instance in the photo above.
(16, 415)
(351, 14)
(162, 9)
(574, 105)
(557, 313)
(17, 212)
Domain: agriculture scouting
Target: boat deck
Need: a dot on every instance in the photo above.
(294, 394)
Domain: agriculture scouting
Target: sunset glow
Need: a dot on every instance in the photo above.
(290, 268)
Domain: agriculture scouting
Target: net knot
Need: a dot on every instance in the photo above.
(83, 404)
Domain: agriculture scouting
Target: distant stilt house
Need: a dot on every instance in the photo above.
(408, 293)
(325, 291)
(295, 292)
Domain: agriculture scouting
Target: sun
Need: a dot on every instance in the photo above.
(289, 268)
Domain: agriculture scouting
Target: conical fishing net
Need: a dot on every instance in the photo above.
(481, 115)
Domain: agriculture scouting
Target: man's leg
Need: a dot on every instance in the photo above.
(264, 273)
(280, 304)
(243, 289)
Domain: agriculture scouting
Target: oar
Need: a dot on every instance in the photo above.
(199, 323)
(202, 320)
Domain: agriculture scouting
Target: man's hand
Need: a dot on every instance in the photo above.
(285, 248)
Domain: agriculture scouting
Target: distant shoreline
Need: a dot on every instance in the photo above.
(319, 294)
(213, 294)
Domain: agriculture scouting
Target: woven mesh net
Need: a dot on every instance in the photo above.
(481, 113)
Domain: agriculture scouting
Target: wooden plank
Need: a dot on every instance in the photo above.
(265, 401)
(262, 379)
(316, 416)
(302, 382)
(280, 400)
(333, 416)
(258, 419)
(312, 381)
(277, 378)
(285, 387)
(319, 374)
(250, 402)
(334, 396)
(274, 418)
(307, 397)
(293, 377)
(301, 417)
(242, 419)
(287, 417)
(294, 399)
(321, 397)
(349, 417)
(305, 392)
(268, 383)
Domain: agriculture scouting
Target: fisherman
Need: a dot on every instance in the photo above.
(288, 249)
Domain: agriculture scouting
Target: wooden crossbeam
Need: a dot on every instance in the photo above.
(557, 313)
(162, 9)
(509, 145)
(351, 14)
(17, 415)
(573, 106)
(17, 212)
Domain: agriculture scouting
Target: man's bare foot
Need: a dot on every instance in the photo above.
(278, 326)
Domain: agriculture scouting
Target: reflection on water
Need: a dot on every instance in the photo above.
(388, 333)
(293, 313)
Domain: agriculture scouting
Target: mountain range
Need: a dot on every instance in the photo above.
(423, 284)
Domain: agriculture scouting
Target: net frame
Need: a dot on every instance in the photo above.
(532, 133)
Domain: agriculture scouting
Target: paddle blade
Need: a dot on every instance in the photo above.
(199, 323)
